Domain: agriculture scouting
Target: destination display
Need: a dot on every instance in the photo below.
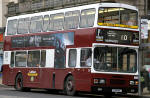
(117, 36)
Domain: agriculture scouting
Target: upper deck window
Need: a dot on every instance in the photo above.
(87, 18)
(36, 24)
(12, 27)
(128, 17)
(109, 15)
(71, 19)
(23, 25)
(57, 21)
(46, 23)
(119, 17)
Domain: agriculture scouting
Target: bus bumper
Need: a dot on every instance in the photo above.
(96, 89)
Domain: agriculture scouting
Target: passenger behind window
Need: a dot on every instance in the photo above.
(88, 61)
(130, 22)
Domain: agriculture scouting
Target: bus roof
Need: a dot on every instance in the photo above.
(97, 5)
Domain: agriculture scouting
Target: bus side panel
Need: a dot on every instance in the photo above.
(46, 78)
(83, 39)
(60, 75)
(8, 75)
(5, 72)
(83, 79)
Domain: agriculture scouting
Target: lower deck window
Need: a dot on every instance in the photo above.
(12, 60)
(72, 57)
(29, 59)
(33, 59)
(86, 60)
(21, 59)
(43, 58)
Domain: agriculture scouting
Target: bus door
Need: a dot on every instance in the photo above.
(7, 68)
(11, 67)
(83, 72)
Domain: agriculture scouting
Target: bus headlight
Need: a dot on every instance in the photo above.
(102, 81)
(96, 81)
(99, 81)
(132, 82)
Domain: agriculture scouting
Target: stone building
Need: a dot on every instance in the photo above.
(16, 7)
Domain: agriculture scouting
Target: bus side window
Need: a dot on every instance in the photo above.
(45, 23)
(85, 59)
(72, 58)
(56, 21)
(71, 19)
(87, 18)
(12, 27)
(12, 59)
(23, 25)
(43, 58)
(36, 24)
(21, 59)
(33, 59)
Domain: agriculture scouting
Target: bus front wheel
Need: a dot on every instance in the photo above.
(19, 82)
(70, 86)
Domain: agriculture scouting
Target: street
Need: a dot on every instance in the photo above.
(10, 92)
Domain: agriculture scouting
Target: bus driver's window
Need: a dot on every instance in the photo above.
(86, 57)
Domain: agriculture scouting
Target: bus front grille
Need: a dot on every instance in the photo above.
(117, 82)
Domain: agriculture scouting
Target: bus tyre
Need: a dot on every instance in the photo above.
(70, 86)
(19, 82)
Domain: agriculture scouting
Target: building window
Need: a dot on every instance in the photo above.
(148, 5)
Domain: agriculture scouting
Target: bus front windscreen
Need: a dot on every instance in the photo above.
(115, 59)
(121, 17)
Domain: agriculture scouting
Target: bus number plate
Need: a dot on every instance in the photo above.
(117, 90)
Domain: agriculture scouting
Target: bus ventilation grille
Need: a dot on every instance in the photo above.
(117, 82)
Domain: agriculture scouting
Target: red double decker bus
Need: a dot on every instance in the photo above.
(90, 48)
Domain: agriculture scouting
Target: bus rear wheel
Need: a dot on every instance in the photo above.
(70, 86)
